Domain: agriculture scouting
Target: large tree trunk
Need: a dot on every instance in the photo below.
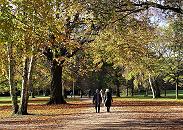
(11, 72)
(25, 89)
(26, 81)
(151, 85)
(56, 96)
(158, 84)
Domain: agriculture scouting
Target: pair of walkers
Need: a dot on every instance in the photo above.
(97, 100)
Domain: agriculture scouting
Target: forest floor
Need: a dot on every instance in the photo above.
(80, 115)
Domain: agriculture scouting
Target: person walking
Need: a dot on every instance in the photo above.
(97, 99)
(108, 99)
(102, 95)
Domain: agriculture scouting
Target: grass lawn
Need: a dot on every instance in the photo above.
(36, 100)
(5, 98)
(170, 96)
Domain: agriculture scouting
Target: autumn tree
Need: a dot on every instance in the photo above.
(117, 15)
(171, 57)
(7, 27)
(65, 41)
(18, 32)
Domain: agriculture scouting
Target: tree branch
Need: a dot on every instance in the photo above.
(133, 11)
(159, 6)
(4, 81)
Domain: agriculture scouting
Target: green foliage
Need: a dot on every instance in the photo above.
(172, 60)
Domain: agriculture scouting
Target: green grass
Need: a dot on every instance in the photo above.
(36, 100)
(138, 98)
(170, 96)
(5, 99)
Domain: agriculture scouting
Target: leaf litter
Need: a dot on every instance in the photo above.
(81, 115)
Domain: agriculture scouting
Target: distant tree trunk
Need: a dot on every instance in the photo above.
(132, 86)
(117, 88)
(146, 92)
(165, 91)
(101, 80)
(56, 96)
(81, 93)
(11, 72)
(73, 88)
(139, 90)
(32, 92)
(157, 92)
(132, 90)
(177, 88)
(127, 91)
(64, 91)
(25, 89)
(152, 89)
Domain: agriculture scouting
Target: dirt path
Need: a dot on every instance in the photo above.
(128, 118)
(82, 116)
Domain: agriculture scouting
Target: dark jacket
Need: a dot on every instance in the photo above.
(97, 99)
(108, 99)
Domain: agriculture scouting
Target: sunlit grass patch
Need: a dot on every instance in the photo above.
(141, 98)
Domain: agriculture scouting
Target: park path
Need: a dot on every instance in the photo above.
(125, 115)
(129, 117)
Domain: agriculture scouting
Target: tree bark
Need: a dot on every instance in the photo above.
(177, 88)
(11, 75)
(31, 67)
(158, 84)
(101, 79)
(157, 92)
(132, 91)
(117, 88)
(56, 96)
(146, 92)
(127, 91)
(152, 89)
(132, 86)
(24, 93)
(165, 92)
(26, 81)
